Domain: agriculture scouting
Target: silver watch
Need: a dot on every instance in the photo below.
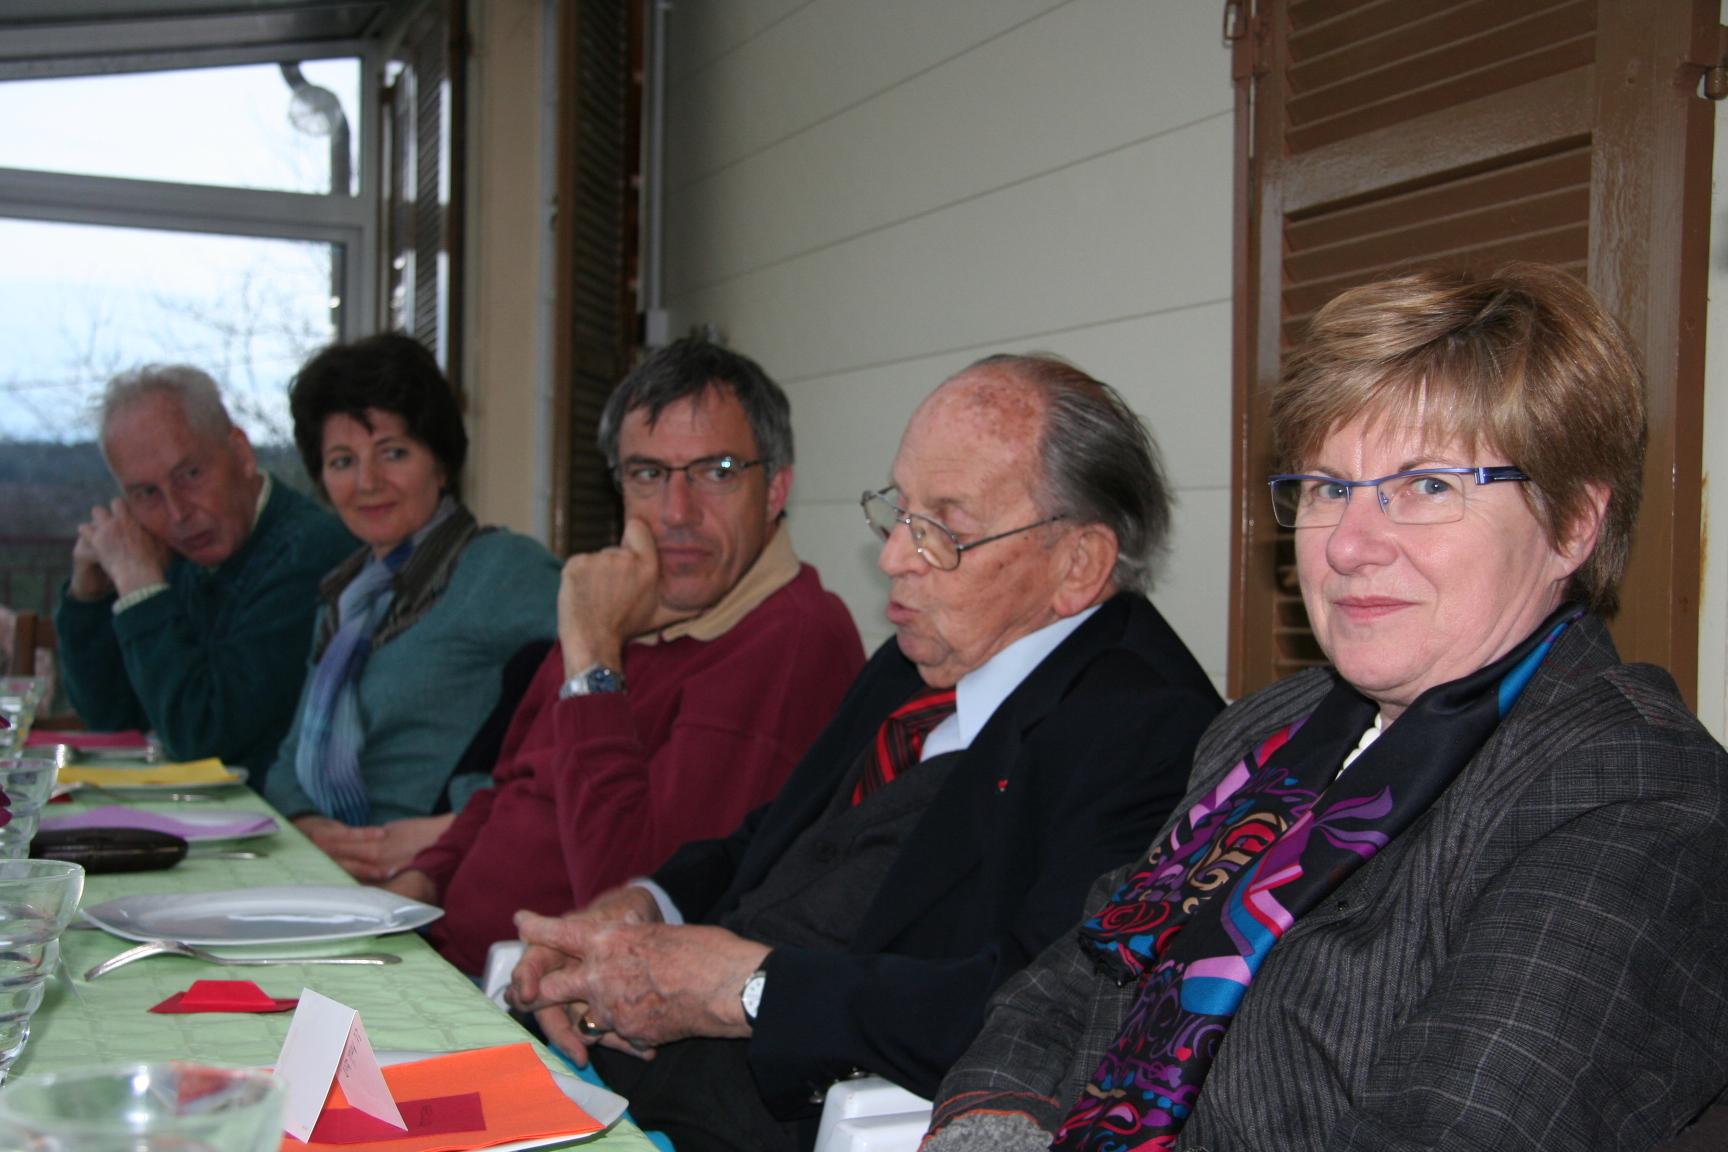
(592, 681)
(750, 996)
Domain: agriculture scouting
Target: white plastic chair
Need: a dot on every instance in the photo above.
(871, 1115)
(501, 960)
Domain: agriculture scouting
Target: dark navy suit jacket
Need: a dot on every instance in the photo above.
(1070, 777)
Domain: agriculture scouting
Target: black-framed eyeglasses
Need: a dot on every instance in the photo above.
(714, 474)
(1419, 496)
(935, 542)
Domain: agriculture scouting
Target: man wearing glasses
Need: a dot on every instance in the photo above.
(1032, 720)
(696, 661)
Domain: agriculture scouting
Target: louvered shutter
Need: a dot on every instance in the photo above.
(423, 194)
(1376, 135)
(596, 242)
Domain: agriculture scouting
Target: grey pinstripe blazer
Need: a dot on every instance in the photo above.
(1540, 962)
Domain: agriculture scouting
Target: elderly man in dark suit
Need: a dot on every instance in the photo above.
(1032, 720)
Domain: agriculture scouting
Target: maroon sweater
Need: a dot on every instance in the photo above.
(592, 791)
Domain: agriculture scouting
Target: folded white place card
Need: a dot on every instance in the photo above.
(327, 1042)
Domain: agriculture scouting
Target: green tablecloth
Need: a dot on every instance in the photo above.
(420, 1005)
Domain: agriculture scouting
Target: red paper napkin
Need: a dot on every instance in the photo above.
(224, 996)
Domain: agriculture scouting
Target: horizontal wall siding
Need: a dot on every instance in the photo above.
(832, 54)
(866, 197)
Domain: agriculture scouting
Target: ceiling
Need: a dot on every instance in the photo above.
(42, 38)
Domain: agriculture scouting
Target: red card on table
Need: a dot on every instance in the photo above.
(518, 1101)
(433, 1117)
(224, 996)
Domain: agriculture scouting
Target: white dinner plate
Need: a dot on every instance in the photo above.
(606, 1107)
(298, 915)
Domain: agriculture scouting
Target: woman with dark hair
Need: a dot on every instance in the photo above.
(1460, 889)
(416, 626)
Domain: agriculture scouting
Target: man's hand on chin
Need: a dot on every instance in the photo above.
(608, 596)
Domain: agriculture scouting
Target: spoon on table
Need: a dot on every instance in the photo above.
(176, 948)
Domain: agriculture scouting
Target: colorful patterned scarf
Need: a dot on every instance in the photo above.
(1275, 836)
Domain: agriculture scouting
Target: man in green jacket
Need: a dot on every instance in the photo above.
(192, 595)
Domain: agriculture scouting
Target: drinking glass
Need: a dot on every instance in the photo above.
(38, 898)
(28, 781)
(17, 714)
(178, 1106)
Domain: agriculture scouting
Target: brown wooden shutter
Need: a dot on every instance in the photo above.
(598, 140)
(1376, 135)
(419, 227)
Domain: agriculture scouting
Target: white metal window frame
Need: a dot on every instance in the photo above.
(351, 222)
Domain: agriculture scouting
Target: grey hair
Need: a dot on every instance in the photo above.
(688, 368)
(192, 388)
(1100, 464)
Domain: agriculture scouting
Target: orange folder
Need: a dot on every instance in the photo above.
(517, 1093)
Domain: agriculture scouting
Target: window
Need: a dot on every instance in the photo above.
(223, 217)
(282, 127)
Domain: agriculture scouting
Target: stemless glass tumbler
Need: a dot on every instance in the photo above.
(28, 781)
(178, 1106)
(38, 898)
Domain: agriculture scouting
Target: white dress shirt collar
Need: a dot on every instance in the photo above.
(981, 691)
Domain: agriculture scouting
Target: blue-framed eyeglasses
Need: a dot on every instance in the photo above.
(939, 547)
(1420, 496)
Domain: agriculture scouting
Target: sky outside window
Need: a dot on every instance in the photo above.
(229, 127)
(79, 303)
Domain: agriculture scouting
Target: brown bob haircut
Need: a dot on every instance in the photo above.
(1524, 363)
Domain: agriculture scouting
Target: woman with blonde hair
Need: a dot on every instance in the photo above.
(1460, 889)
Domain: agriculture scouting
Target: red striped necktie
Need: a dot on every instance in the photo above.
(900, 740)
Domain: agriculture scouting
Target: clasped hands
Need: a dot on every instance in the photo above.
(376, 853)
(114, 553)
(636, 982)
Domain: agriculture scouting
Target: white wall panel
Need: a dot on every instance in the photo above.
(832, 536)
(822, 58)
(1139, 231)
(866, 197)
(1192, 589)
(707, 32)
(1009, 110)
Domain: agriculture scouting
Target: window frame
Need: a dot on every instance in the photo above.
(350, 222)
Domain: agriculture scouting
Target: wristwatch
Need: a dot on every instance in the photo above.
(591, 681)
(750, 996)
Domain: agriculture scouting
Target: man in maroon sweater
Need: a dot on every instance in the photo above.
(697, 659)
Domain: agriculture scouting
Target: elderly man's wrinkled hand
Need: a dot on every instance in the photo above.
(625, 904)
(127, 552)
(647, 983)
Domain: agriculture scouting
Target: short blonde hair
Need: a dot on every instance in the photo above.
(1524, 362)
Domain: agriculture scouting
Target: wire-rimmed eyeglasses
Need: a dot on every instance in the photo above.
(1419, 496)
(938, 545)
(710, 474)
